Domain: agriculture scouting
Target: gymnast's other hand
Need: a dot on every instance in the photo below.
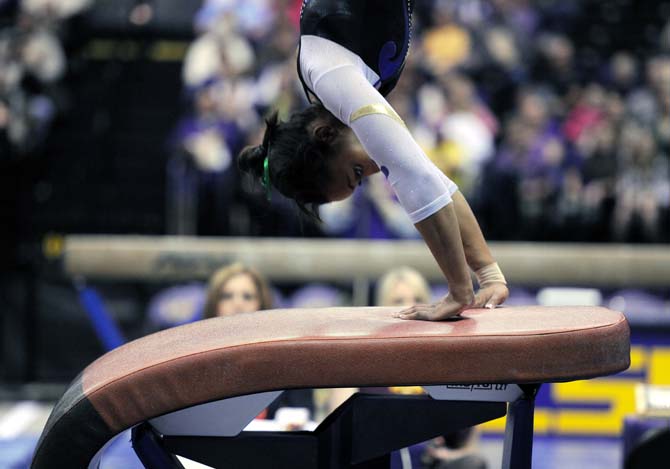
(491, 295)
(446, 308)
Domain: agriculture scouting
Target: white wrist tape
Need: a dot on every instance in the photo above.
(490, 274)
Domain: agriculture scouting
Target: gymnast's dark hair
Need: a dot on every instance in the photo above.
(298, 161)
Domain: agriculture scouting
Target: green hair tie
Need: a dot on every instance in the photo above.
(266, 176)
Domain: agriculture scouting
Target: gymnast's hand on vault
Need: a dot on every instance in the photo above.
(491, 295)
(445, 308)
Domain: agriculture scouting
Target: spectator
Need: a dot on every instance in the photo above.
(499, 69)
(662, 127)
(470, 126)
(598, 177)
(232, 289)
(555, 63)
(32, 64)
(623, 72)
(236, 289)
(446, 44)
(54, 9)
(643, 188)
(402, 286)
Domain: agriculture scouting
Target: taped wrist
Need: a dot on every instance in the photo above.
(490, 274)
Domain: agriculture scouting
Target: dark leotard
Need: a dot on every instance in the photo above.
(378, 31)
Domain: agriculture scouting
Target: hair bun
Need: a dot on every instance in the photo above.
(251, 159)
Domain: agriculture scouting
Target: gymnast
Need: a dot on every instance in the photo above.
(350, 55)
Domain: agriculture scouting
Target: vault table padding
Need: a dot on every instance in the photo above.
(320, 348)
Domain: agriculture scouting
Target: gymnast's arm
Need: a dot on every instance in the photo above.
(441, 233)
(493, 289)
(492, 285)
(337, 78)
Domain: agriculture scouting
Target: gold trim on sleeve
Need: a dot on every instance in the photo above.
(376, 109)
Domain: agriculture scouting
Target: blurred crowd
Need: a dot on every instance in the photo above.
(554, 131)
(552, 116)
(32, 64)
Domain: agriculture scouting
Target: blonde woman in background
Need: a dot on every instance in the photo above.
(236, 289)
(403, 286)
(232, 289)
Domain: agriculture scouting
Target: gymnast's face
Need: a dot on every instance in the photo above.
(238, 295)
(348, 168)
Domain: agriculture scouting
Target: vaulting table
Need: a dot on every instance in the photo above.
(191, 390)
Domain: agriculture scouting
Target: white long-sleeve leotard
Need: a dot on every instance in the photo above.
(345, 85)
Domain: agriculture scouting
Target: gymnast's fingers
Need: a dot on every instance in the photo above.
(419, 312)
(481, 298)
(485, 299)
(436, 312)
(405, 312)
(490, 301)
(491, 296)
(499, 294)
(419, 315)
(495, 300)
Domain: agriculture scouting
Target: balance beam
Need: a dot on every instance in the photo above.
(177, 258)
(211, 378)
